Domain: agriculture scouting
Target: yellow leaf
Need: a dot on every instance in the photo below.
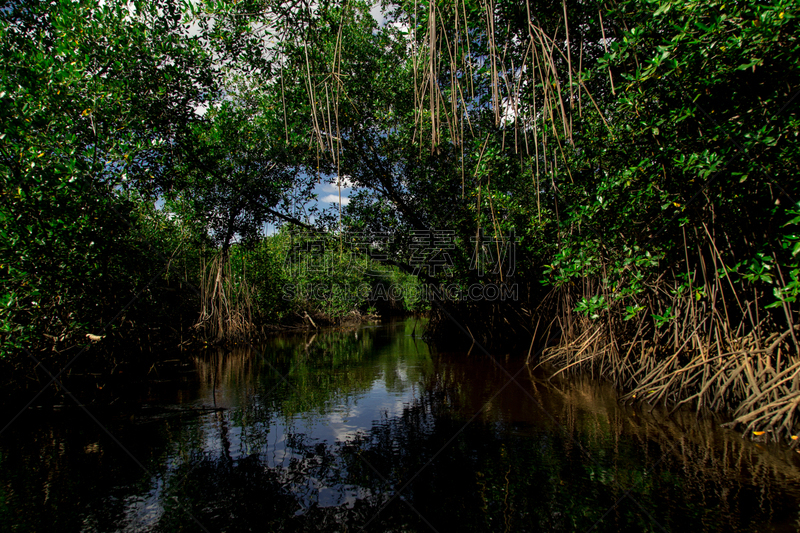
(759, 433)
(794, 437)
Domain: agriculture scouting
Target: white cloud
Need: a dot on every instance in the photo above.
(200, 109)
(378, 15)
(334, 199)
(331, 186)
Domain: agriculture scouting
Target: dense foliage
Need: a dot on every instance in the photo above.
(94, 100)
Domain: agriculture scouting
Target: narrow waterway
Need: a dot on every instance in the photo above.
(372, 429)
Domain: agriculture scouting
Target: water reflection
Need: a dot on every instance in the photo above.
(370, 428)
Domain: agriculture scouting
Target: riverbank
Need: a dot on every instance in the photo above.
(102, 371)
(676, 350)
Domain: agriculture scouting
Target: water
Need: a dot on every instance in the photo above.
(371, 429)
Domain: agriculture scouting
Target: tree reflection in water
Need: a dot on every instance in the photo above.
(370, 428)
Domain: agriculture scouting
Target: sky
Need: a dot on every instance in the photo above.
(327, 198)
(328, 193)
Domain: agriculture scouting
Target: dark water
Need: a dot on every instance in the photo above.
(371, 429)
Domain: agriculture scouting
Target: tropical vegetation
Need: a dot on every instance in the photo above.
(624, 170)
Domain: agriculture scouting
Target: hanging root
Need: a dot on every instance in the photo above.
(698, 362)
(226, 312)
